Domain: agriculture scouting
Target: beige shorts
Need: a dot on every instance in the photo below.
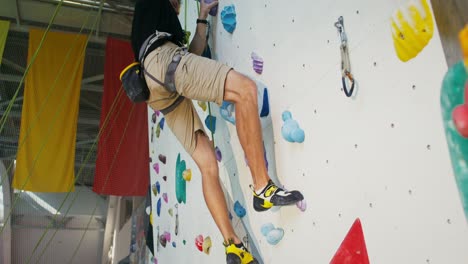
(196, 78)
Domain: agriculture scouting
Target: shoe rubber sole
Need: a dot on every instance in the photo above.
(296, 197)
(234, 259)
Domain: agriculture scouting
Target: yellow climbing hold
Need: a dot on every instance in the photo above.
(206, 245)
(412, 29)
(463, 36)
(187, 174)
(202, 105)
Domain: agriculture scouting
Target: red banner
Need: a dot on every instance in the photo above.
(122, 165)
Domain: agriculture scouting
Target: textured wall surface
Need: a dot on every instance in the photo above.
(379, 156)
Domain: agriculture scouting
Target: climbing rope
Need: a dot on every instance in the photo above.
(345, 62)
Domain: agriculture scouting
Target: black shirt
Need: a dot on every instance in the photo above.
(152, 15)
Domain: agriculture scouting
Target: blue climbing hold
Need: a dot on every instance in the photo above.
(291, 131)
(158, 207)
(266, 228)
(240, 211)
(227, 112)
(161, 123)
(266, 105)
(228, 18)
(210, 122)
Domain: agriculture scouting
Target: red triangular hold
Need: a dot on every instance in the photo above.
(353, 248)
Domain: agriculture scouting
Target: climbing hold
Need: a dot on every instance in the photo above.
(156, 167)
(460, 119)
(148, 210)
(206, 245)
(155, 188)
(165, 197)
(158, 130)
(199, 242)
(167, 235)
(213, 10)
(165, 178)
(180, 185)
(161, 123)
(227, 109)
(463, 36)
(227, 112)
(266, 228)
(266, 105)
(162, 240)
(412, 29)
(302, 205)
(257, 63)
(218, 154)
(171, 212)
(228, 18)
(173, 243)
(187, 174)
(210, 123)
(153, 117)
(158, 207)
(290, 130)
(184, 242)
(272, 234)
(202, 105)
(162, 158)
(275, 236)
(239, 210)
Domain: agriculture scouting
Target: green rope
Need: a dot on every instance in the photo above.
(105, 183)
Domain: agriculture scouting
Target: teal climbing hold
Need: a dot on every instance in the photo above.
(180, 184)
(290, 130)
(210, 123)
(228, 18)
(452, 95)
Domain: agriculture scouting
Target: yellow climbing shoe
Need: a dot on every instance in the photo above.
(238, 254)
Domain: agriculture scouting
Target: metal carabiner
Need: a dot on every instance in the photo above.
(345, 62)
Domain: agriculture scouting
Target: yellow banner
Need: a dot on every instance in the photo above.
(46, 150)
(4, 27)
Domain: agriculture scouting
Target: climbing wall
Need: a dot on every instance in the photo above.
(374, 167)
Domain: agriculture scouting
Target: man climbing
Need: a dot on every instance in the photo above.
(199, 78)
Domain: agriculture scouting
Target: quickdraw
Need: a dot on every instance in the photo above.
(345, 62)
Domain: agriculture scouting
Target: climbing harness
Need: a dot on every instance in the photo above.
(345, 62)
(133, 76)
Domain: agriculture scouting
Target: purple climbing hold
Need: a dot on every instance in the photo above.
(257, 63)
(165, 197)
(153, 118)
(165, 178)
(162, 158)
(162, 240)
(213, 10)
(156, 167)
(218, 154)
(167, 235)
(302, 205)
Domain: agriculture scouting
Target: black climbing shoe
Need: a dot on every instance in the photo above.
(273, 195)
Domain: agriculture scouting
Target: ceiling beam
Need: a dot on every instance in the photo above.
(13, 65)
(91, 79)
